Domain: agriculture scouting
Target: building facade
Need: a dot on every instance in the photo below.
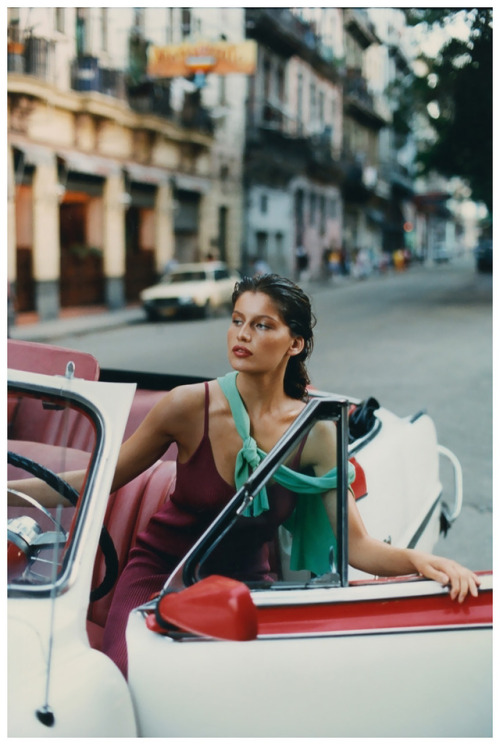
(293, 215)
(112, 174)
(115, 169)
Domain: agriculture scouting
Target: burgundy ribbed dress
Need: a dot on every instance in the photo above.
(200, 494)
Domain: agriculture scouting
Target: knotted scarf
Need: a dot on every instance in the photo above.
(309, 525)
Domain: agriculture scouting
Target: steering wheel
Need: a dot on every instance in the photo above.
(70, 493)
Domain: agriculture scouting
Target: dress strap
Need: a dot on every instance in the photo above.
(207, 403)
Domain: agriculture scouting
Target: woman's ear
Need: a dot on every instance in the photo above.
(296, 346)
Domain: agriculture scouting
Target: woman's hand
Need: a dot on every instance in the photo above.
(384, 560)
(461, 580)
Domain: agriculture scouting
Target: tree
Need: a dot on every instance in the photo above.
(456, 96)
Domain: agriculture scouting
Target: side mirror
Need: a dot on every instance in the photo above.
(217, 607)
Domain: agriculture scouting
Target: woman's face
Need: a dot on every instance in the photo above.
(258, 339)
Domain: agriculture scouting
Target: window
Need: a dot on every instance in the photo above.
(139, 20)
(60, 25)
(262, 241)
(322, 215)
(299, 215)
(264, 203)
(222, 232)
(312, 208)
(222, 90)
(169, 33)
(312, 102)
(104, 29)
(300, 94)
(321, 108)
(185, 22)
(81, 31)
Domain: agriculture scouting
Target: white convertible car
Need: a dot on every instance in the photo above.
(337, 655)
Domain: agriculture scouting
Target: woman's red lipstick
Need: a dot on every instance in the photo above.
(241, 351)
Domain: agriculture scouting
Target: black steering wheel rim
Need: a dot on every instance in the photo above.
(71, 494)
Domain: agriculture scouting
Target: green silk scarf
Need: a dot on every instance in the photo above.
(309, 525)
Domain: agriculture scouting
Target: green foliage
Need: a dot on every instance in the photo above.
(460, 81)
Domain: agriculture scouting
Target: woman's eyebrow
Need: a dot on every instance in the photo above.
(257, 317)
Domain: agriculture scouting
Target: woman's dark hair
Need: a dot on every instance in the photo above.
(294, 308)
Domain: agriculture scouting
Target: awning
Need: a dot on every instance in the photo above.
(34, 154)
(185, 182)
(94, 165)
(146, 174)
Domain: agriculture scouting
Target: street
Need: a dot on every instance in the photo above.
(420, 339)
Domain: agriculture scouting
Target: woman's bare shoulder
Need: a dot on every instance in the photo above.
(320, 446)
(182, 401)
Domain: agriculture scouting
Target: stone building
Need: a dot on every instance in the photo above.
(113, 173)
(293, 141)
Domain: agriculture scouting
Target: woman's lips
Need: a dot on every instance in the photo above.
(241, 352)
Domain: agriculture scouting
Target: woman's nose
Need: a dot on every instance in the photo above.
(243, 331)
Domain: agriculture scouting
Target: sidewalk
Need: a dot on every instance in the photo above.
(73, 321)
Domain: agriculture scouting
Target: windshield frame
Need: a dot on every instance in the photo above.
(67, 572)
(333, 408)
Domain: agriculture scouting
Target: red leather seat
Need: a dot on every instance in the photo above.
(128, 512)
(28, 420)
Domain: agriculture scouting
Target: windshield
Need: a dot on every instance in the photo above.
(47, 435)
(194, 276)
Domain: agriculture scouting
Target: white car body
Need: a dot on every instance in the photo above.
(197, 287)
(369, 658)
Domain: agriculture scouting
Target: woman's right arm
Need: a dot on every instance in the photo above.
(166, 421)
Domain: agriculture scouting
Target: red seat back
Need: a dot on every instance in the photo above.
(128, 513)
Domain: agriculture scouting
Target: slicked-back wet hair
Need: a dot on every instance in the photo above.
(294, 307)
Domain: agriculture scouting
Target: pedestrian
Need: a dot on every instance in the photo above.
(302, 261)
(222, 429)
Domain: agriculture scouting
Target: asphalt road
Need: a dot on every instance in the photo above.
(421, 339)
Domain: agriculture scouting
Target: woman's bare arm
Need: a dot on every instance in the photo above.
(169, 420)
(377, 557)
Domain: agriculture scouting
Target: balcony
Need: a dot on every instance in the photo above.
(88, 75)
(276, 157)
(358, 24)
(287, 35)
(359, 102)
(30, 55)
(360, 178)
(153, 97)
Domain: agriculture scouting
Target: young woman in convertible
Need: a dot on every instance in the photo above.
(222, 429)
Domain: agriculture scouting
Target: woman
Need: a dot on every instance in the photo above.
(269, 340)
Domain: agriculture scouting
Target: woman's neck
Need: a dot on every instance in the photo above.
(261, 394)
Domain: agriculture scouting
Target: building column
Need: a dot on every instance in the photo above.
(114, 240)
(164, 226)
(46, 244)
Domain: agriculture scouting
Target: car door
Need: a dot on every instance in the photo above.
(57, 685)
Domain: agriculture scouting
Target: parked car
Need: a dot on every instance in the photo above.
(339, 655)
(484, 255)
(190, 289)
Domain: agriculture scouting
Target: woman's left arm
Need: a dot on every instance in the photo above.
(381, 559)
(371, 555)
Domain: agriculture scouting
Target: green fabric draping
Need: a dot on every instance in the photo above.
(309, 525)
